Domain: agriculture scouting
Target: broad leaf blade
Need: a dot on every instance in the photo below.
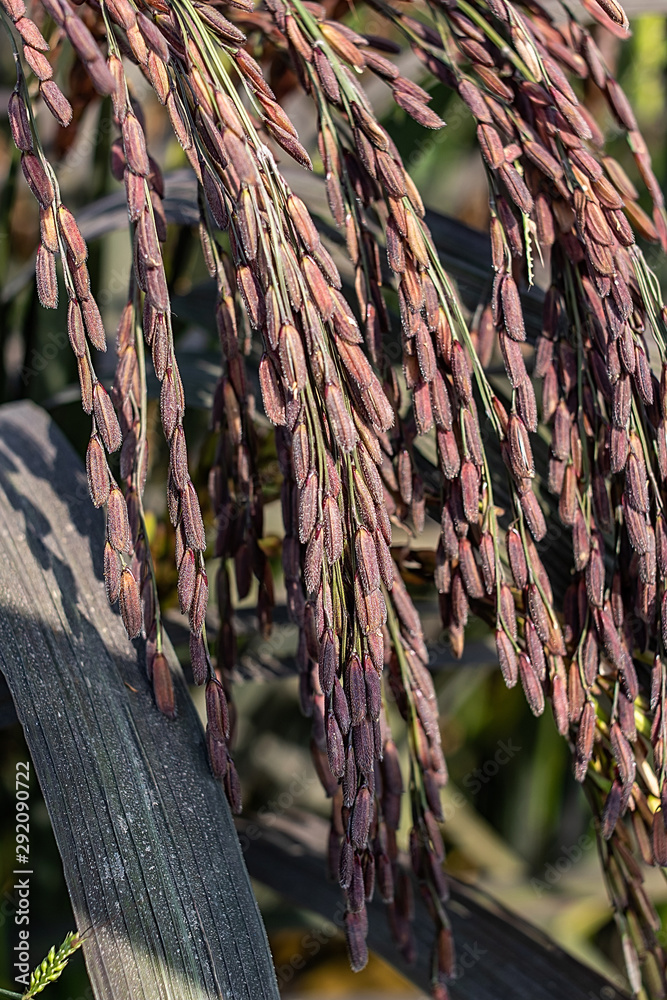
(150, 853)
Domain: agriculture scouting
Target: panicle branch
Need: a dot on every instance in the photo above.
(345, 438)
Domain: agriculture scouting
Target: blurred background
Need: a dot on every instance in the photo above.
(517, 824)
